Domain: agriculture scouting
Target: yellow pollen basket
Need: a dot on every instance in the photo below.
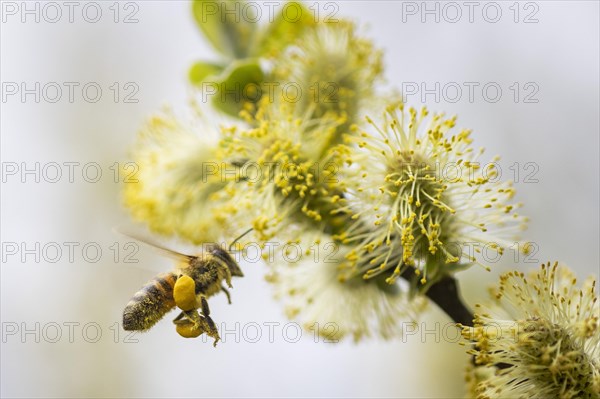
(189, 330)
(184, 293)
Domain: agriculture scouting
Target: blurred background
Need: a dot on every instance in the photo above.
(523, 75)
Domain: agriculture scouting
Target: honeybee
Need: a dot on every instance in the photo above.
(194, 279)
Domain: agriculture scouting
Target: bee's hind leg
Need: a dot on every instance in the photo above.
(186, 316)
(226, 291)
(210, 324)
(202, 323)
(178, 319)
(190, 315)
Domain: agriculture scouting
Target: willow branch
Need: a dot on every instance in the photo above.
(445, 294)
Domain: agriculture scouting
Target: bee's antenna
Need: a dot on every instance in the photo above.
(239, 238)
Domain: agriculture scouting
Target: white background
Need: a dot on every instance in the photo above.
(559, 133)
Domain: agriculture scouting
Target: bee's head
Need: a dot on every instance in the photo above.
(226, 257)
(234, 268)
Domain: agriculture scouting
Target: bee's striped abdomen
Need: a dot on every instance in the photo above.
(150, 303)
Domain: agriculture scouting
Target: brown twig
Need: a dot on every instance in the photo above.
(445, 294)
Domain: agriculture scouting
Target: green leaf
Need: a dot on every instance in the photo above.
(200, 71)
(226, 24)
(291, 20)
(240, 83)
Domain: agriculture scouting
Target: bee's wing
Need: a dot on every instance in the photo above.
(165, 251)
